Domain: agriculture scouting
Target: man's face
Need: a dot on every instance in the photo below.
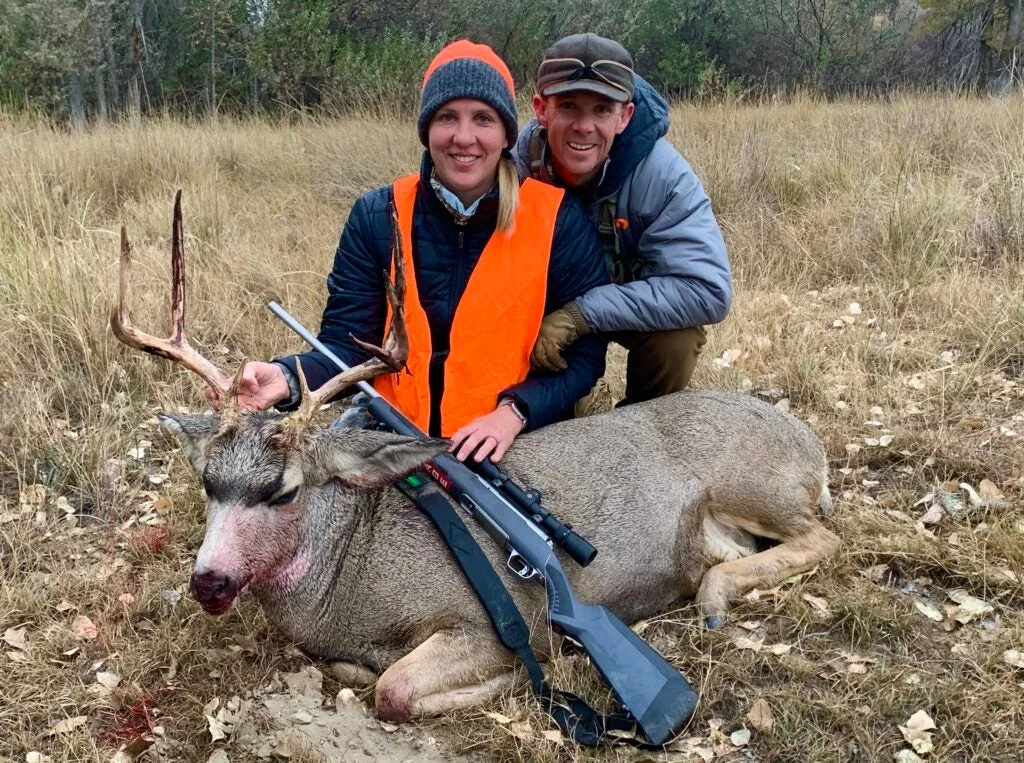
(581, 127)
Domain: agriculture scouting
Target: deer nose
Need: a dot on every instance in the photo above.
(215, 592)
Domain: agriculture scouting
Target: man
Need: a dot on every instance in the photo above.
(599, 132)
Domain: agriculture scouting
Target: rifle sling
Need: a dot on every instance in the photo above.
(574, 716)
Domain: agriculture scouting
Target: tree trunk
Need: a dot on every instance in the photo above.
(76, 99)
(138, 44)
(101, 97)
(1014, 31)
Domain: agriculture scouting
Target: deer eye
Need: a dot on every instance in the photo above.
(285, 498)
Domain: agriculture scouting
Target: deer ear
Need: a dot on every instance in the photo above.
(194, 433)
(371, 460)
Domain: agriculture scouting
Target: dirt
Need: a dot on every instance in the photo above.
(293, 720)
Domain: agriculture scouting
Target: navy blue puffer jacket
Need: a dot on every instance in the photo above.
(444, 254)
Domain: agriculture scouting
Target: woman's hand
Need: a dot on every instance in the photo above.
(493, 433)
(263, 384)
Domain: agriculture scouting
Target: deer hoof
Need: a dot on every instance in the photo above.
(714, 622)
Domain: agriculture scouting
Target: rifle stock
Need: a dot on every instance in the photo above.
(654, 692)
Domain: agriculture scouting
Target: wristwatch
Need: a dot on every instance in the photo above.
(509, 402)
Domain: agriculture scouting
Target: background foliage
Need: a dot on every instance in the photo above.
(97, 59)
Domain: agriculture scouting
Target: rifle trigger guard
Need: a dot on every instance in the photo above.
(520, 567)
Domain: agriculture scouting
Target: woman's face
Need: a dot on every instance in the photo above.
(465, 139)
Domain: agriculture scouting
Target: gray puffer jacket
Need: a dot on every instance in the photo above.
(668, 260)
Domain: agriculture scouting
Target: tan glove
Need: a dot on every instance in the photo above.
(558, 330)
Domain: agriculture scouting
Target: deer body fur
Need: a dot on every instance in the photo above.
(674, 493)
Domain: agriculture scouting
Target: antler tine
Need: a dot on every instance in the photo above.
(229, 406)
(390, 358)
(175, 348)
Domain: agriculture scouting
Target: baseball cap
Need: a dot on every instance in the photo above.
(587, 62)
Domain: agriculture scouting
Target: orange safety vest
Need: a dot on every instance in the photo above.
(496, 322)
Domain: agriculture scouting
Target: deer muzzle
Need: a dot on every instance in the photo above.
(214, 592)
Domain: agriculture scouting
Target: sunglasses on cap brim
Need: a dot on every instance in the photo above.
(588, 71)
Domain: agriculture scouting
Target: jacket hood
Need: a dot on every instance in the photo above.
(649, 123)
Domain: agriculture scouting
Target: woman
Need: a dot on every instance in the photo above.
(486, 259)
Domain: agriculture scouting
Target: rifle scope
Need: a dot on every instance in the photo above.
(576, 546)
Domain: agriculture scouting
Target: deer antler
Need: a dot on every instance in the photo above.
(389, 358)
(176, 347)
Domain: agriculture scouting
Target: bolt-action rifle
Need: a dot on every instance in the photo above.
(654, 695)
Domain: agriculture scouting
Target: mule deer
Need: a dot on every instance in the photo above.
(674, 492)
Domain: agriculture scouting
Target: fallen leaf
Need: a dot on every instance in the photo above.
(32, 496)
(916, 732)
(37, 757)
(389, 728)
(929, 611)
(970, 608)
(989, 492)
(907, 756)
(219, 756)
(84, 628)
(218, 728)
(818, 603)
(780, 649)
(65, 606)
(753, 644)
(1014, 658)
(934, 514)
(108, 679)
(854, 308)
(521, 730)
(740, 737)
(554, 735)
(886, 440)
(750, 625)
(499, 718)
(760, 716)
(126, 599)
(16, 638)
(15, 656)
(68, 724)
(121, 756)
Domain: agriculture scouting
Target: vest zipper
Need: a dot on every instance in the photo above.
(460, 239)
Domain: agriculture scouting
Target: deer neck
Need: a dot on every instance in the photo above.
(329, 548)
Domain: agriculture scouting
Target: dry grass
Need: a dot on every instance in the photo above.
(911, 208)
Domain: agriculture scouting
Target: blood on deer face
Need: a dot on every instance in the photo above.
(254, 489)
(260, 482)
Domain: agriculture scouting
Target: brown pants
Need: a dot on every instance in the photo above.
(659, 362)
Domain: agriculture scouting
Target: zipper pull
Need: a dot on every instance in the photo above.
(460, 239)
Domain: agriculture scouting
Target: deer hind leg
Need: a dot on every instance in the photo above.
(449, 670)
(731, 579)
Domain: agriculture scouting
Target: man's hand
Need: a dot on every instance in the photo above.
(263, 384)
(493, 433)
(558, 330)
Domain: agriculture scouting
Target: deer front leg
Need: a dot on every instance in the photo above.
(353, 676)
(449, 670)
(728, 580)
